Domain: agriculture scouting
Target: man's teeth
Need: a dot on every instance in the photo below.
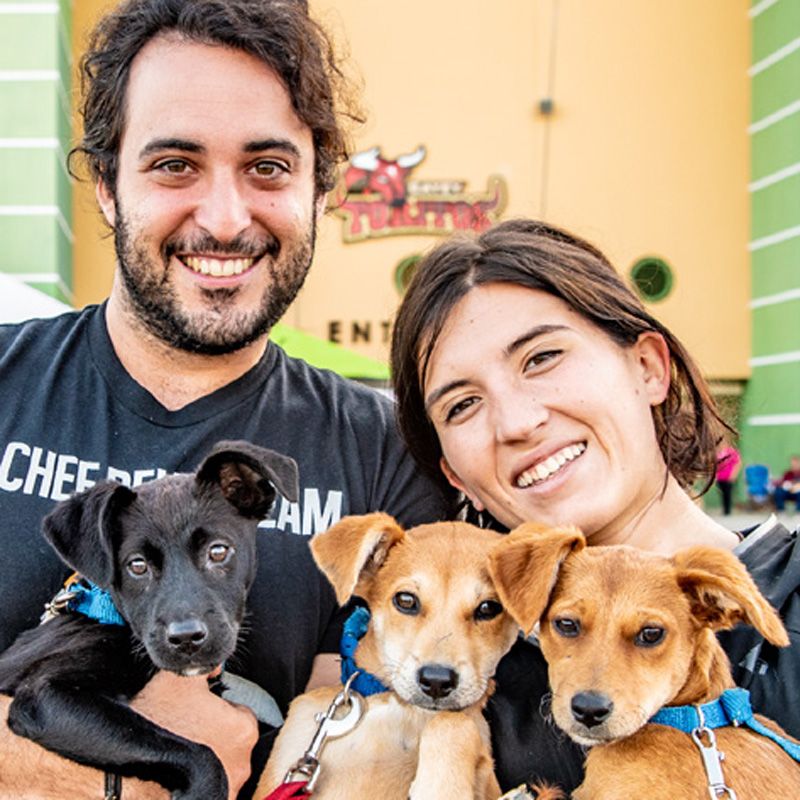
(544, 469)
(218, 267)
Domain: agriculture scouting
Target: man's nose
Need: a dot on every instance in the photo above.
(517, 415)
(224, 210)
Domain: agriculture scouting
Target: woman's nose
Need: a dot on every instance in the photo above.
(517, 415)
(224, 210)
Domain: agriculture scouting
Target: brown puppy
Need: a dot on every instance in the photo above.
(626, 632)
(436, 634)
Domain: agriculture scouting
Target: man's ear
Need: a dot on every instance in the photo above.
(652, 357)
(457, 483)
(105, 199)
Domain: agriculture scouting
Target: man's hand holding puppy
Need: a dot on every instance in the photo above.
(183, 705)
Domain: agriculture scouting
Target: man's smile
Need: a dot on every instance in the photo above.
(217, 267)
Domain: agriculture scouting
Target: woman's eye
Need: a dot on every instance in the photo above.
(137, 567)
(406, 603)
(542, 358)
(650, 636)
(488, 609)
(459, 408)
(567, 627)
(219, 553)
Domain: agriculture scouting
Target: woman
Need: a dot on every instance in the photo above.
(532, 380)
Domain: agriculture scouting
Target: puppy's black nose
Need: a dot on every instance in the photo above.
(187, 633)
(437, 681)
(591, 708)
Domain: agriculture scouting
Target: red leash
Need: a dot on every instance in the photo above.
(290, 791)
(331, 725)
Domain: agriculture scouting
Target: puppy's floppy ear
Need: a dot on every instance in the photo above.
(81, 528)
(524, 568)
(248, 476)
(722, 593)
(353, 550)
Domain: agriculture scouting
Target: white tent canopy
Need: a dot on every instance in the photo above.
(19, 302)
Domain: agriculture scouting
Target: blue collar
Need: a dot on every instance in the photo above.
(354, 629)
(82, 596)
(732, 707)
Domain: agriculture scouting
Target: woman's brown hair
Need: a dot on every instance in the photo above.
(538, 256)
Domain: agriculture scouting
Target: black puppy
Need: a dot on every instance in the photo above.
(177, 557)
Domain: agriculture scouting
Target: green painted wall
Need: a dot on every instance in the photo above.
(35, 130)
(771, 407)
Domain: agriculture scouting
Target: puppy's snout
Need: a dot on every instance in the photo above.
(591, 708)
(437, 680)
(187, 633)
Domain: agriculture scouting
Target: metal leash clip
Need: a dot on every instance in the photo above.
(57, 605)
(331, 726)
(712, 760)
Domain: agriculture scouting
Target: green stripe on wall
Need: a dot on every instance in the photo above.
(33, 177)
(776, 329)
(776, 27)
(776, 87)
(29, 41)
(776, 268)
(32, 244)
(776, 207)
(776, 147)
(774, 389)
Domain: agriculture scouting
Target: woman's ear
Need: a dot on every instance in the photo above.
(105, 199)
(457, 483)
(652, 357)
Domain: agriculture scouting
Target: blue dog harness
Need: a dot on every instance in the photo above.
(84, 597)
(732, 707)
(354, 629)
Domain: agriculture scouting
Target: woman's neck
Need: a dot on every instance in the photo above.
(669, 521)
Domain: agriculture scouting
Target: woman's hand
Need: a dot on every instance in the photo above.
(187, 707)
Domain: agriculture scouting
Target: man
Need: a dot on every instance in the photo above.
(212, 136)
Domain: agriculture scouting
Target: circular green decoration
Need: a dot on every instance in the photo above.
(404, 272)
(652, 278)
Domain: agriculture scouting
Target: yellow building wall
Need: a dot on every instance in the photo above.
(645, 153)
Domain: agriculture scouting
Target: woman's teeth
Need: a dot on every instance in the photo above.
(544, 469)
(218, 267)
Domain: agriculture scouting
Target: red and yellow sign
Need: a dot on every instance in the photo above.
(378, 199)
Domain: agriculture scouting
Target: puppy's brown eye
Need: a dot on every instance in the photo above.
(137, 567)
(488, 609)
(650, 636)
(567, 627)
(406, 603)
(219, 553)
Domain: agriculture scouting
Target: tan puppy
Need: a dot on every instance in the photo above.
(436, 634)
(626, 632)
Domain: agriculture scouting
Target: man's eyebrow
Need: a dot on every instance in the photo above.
(442, 391)
(528, 336)
(159, 145)
(260, 145)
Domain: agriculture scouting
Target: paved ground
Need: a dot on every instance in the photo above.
(739, 519)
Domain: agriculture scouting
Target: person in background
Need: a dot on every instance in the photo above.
(212, 130)
(788, 488)
(729, 462)
(531, 379)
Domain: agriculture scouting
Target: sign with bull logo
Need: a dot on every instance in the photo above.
(379, 199)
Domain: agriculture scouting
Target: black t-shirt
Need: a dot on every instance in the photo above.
(73, 416)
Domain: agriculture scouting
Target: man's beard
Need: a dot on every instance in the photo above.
(219, 327)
